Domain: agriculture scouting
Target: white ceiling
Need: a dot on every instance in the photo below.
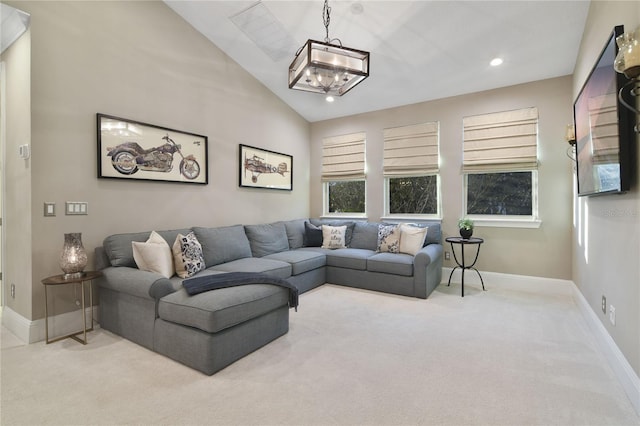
(420, 50)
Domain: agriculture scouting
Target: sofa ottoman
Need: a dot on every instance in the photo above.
(211, 330)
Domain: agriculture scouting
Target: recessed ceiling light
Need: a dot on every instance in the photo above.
(496, 61)
(329, 98)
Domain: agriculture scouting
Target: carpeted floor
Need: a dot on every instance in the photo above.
(513, 355)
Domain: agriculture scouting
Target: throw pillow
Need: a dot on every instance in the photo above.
(154, 255)
(187, 255)
(312, 235)
(388, 238)
(333, 237)
(412, 238)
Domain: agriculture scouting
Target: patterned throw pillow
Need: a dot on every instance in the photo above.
(412, 238)
(333, 237)
(388, 239)
(187, 254)
(154, 255)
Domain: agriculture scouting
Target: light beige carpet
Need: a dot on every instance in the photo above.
(509, 356)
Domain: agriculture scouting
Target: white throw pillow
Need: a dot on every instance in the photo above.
(333, 237)
(187, 255)
(154, 255)
(412, 238)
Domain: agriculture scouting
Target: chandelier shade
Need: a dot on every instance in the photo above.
(322, 67)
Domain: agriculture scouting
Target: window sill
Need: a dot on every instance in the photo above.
(410, 218)
(345, 216)
(510, 222)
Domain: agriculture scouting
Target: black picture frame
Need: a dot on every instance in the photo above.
(262, 168)
(133, 150)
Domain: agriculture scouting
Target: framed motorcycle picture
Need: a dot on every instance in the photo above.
(261, 168)
(134, 150)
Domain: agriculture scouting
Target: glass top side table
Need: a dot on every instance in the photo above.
(462, 242)
(88, 276)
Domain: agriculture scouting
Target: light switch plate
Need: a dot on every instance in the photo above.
(49, 208)
(76, 208)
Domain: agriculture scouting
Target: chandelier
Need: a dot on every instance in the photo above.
(327, 67)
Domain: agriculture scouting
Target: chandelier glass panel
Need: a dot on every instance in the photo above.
(327, 67)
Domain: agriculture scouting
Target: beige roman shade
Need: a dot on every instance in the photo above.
(411, 150)
(603, 121)
(501, 141)
(343, 157)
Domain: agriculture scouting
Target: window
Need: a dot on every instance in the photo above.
(509, 193)
(346, 196)
(500, 164)
(343, 174)
(413, 195)
(410, 168)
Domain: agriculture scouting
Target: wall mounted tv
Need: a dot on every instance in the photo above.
(605, 136)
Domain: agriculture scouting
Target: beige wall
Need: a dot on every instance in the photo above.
(140, 60)
(606, 241)
(17, 202)
(543, 252)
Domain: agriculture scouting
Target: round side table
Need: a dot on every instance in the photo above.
(87, 276)
(462, 242)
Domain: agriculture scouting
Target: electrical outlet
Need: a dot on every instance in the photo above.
(604, 305)
(447, 255)
(13, 291)
(612, 314)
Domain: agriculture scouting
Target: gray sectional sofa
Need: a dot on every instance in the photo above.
(211, 330)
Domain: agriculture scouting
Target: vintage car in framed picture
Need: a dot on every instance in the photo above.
(261, 168)
(133, 150)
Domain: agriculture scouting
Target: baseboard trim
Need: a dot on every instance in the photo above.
(523, 282)
(621, 368)
(33, 331)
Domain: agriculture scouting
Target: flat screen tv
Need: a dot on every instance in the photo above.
(604, 128)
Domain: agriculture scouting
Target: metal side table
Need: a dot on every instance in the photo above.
(462, 265)
(88, 276)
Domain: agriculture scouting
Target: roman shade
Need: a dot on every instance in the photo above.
(501, 141)
(411, 150)
(343, 157)
(603, 121)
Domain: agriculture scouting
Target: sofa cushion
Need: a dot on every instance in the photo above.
(412, 238)
(349, 258)
(302, 260)
(333, 237)
(391, 263)
(272, 267)
(295, 233)
(365, 235)
(388, 239)
(154, 255)
(187, 255)
(216, 310)
(223, 244)
(119, 250)
(267, 238)
(312, 235)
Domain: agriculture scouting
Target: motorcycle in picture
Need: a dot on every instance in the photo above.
(129, 157)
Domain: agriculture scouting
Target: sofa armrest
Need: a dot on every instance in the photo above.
(133, 281)
(427, 270)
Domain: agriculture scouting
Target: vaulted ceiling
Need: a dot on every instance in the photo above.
(420, 50)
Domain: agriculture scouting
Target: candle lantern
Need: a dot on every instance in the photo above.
(627, 61)
(73, 258)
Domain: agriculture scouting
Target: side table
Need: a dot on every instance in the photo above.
(463, 242)
(88, 276)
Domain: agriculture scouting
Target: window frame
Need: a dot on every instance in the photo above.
(325, 200)
(412, 216)
(505, 221)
